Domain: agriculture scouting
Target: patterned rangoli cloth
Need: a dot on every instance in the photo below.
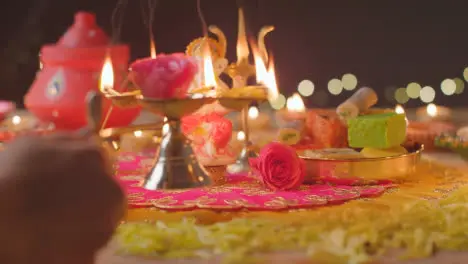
(239, 192)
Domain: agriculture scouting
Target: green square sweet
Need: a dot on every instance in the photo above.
(377, 131)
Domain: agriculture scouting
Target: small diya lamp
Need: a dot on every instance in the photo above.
(294, 114)
(434, 112)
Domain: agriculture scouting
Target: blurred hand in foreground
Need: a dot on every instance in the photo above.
(59, 203)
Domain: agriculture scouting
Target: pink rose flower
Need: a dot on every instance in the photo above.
(279, 167)
(166, 76)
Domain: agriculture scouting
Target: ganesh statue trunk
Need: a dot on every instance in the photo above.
(72, 68)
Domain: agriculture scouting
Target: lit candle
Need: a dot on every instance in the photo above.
(294, 115)
(152, 49)
(264, 76)
(295, 109)
(399, 109)
(242, 48)
(434, 112)
(106, 84)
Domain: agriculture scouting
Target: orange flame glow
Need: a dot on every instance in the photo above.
(265, 76)
(107, 76)
(153, 49)
(208, 70)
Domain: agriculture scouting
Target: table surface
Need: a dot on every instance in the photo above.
(108, 256)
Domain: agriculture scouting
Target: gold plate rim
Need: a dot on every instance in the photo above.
(417, 150)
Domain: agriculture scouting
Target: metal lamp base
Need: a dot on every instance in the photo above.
(242, 163)
(176, 166)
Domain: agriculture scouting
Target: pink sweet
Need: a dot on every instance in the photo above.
(166, 76)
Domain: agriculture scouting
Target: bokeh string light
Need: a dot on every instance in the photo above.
(448, 86)
(427, 94)
(460, 85)
(413, 90)
(306, 88)
(335, 86)
(279, 102)
(401, 95)
(349, 81)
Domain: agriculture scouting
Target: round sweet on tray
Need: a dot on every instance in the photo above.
(350, 165)
(325, 128)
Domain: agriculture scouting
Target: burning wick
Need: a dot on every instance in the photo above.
(431, 110)
(16, 120)
(253, 112)
(241, 136)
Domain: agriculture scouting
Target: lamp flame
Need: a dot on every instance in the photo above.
(107, 76)
(242, 47)
(240, 136)
(399, 109)
(295, 103)
(152, 49)
(253, 112)
(431, 110)
(265, 76)
(208, 70)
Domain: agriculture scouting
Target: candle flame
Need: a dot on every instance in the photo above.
(242, 48)
(241, 136)
(107, 76)
(399, 109)
(253, 112)
(153, 49)
(208, 70)
(295, 103)
(431, 110)
(265, 76)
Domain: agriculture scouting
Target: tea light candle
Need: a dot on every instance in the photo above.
(295, 113)
(434, 112)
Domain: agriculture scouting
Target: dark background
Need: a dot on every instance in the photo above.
(384, 43)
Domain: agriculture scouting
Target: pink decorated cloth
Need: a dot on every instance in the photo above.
(239, 192)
